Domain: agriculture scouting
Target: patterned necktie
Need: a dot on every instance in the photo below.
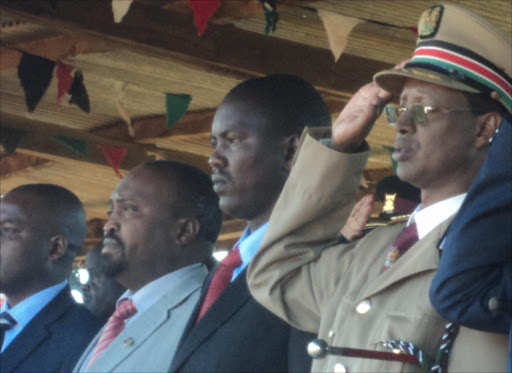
(406, 238)
(6, 322)
(115, 325)
(221, 279)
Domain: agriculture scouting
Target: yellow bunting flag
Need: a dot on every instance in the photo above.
(120, 8)
(337, 27)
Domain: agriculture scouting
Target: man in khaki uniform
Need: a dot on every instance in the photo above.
(364, 297)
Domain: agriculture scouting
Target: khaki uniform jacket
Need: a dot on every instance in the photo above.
(339, 291)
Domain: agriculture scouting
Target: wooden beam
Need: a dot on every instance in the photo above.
(153, 127)
(57, 47)
(223, 48)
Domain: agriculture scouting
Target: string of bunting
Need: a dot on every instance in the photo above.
(36, 73)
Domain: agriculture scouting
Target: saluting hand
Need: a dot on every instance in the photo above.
(357, 117)
(354, 227)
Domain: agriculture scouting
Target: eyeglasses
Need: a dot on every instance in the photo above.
(417, 112)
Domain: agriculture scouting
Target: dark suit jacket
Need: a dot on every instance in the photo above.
(238, 335)
(476, 262)
(54, 339)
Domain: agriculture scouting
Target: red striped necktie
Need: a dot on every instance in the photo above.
(406, 238)
(115, 325)
(221, 279)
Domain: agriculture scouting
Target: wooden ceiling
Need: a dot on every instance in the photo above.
(156, 50)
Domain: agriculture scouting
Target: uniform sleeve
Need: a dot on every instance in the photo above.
(289, 275)
(476, 262)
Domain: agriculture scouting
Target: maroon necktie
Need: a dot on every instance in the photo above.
(406, 238)
(221, 279)
(115, 325)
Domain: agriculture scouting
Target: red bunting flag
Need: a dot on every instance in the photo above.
(114, 156)
(203, 11)
(64, 79)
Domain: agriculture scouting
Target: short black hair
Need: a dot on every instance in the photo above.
(65, 211)
(290, 101)
(481, 104)
(194, 191)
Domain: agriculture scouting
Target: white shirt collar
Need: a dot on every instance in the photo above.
(430, 217)
(152, 292)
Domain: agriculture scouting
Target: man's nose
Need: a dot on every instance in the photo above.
(217, 160)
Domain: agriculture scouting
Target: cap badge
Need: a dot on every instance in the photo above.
(430, 21)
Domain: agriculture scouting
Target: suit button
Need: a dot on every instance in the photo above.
(331, 333)
(363, 307)
(340, 368)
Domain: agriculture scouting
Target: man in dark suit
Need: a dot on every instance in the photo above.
(42, 229)
(255, 133)
(473, 285)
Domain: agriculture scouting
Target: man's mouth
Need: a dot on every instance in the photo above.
(110, 243)
(403, 151)
(219, 183)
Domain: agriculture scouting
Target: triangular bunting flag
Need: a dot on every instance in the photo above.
(177, 105)
(9, 139)
(35, 74)
(126, 118)
(64, 78)
(271, 15)
(78, 146)
(78, 93)
(203, 11)
(114, 156)
(120, 8)
(337, 27)
(390, 149)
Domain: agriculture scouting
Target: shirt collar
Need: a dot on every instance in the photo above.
(249, 243)
(27, 309)
(153, 291)
(430, 217)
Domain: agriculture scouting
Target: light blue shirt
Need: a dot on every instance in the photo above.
(248, 244)
(27, 309)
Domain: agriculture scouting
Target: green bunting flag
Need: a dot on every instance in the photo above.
(177, 105)
(390, 149)
(271, 15)
(78, 146)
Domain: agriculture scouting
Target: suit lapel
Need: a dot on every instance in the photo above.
(228, 303)
(137, 332)
(422, 256)
(36, 331)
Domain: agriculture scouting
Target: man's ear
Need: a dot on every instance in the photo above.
(188, 228)
(291, 145)
(58, 247)
(488, 124)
